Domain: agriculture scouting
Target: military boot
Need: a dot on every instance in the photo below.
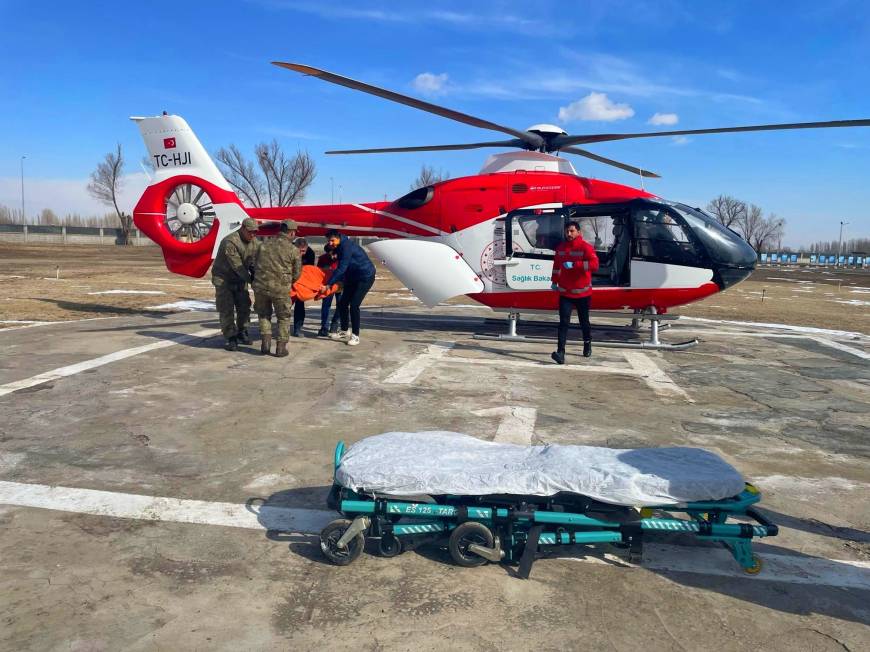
(281, 350)
(232, 344)
(266, 344)
(587, 348)
(243, 336)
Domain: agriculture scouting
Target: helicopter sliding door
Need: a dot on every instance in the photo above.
(532, 236)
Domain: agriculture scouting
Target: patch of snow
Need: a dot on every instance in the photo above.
(128, 292)
(852, 302)
(9, 461)
(13, 276)
(23, 321)
(186, 305)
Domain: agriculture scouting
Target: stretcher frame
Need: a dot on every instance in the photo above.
(514, 529)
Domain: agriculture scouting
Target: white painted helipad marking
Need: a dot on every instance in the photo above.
(705, 560)
(858, 353)
(517, 425)
(652, 374)
(73, 369)
(410, 371)
(700, 560)
(606, 368)
(156, 508)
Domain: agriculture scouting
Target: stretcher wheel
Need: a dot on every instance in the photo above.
(390, 546)
(329, 537)
(755, 569)
(463, 536)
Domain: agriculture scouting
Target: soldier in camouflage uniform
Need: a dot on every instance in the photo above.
(277, 267)
(230, 276)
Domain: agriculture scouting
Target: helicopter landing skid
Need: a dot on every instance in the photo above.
(653, 342)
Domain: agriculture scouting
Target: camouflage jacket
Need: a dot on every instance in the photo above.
(277, 267)
(234, 258)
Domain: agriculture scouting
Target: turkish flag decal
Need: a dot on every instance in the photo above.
(168, 143)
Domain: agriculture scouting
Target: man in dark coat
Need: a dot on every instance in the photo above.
(357, 274)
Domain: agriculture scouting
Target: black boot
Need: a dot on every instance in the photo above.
(232, 344)
(243, 337)
(323, 332)
(296, 331)
(558, 356)
(587, 348)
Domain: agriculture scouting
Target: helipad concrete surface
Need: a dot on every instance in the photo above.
(157, 492)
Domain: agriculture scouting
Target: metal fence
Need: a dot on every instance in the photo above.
(45, 234)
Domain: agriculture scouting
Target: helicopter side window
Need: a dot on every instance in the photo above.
(542, 232)
(660, 237)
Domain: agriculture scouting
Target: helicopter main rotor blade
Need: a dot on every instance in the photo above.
(610, 161)
(431, 148)
(529, 139)
(559, 141)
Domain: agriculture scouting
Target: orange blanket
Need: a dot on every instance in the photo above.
(307, 287)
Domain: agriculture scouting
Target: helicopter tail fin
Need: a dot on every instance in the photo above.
(189, 207)
(174, 149)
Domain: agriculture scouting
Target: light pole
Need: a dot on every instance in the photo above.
(840, 246)
(22, 189)
(331, 190)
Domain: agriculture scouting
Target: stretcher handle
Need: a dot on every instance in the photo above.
(772, 528)
(339, 453)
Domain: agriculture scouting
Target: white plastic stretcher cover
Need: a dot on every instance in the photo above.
(438, 463)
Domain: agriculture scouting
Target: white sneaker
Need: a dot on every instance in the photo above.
(353, 341)
(341, 336)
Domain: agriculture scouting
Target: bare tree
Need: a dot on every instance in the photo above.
(286, 179)
(429, 176)
(274, 180)
(759, 231)
(49, 217)
(728, 210)
(772, 229)
(7, 215)
(105, 186)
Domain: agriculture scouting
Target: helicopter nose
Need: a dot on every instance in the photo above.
(734, 260)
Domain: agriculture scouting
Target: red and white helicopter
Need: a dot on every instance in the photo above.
(490, 236)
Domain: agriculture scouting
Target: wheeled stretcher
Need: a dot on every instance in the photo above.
(408, 489)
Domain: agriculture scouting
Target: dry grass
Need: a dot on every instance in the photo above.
(30, 292)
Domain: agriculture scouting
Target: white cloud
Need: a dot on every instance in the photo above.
(664, 119)
(67, 196)
(595, 106)
(681, 140)
(430, 84)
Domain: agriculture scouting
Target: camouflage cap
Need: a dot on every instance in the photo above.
(290, 225)
(250, 224)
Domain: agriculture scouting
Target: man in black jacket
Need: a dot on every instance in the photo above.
(357, 273)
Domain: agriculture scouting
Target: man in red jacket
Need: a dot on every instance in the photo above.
(572, 277)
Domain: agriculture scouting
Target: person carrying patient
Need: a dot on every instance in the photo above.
(278, 265)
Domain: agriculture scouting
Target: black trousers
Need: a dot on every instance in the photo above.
(566, 307)
(351, 298)
(298, 314)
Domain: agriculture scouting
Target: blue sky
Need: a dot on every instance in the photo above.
(73, 72)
